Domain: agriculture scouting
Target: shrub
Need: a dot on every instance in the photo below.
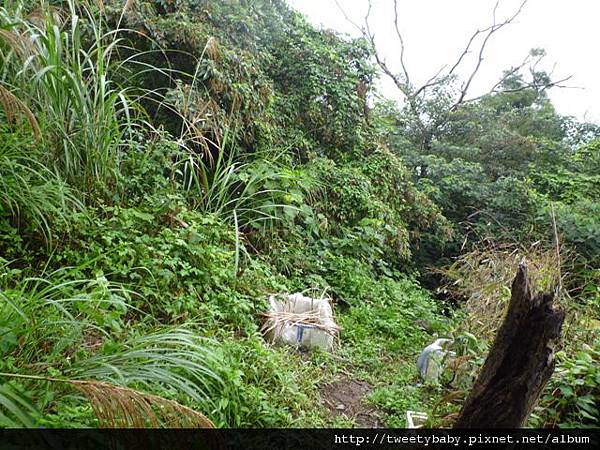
(571, 398)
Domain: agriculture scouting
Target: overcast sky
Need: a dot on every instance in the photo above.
(436, 31)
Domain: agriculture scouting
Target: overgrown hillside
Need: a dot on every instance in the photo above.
(166, 166)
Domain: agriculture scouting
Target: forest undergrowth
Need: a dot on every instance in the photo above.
(167, 166)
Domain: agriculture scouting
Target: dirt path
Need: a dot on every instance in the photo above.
(347, 397)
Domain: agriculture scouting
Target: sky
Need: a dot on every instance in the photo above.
(435, 33)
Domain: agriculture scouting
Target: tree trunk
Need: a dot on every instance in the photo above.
(519, 363)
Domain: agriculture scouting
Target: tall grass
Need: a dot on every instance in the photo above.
(30, 193)
(238, 192)
(61, 65)
(16, 410)
(216, 172)
(57, 323)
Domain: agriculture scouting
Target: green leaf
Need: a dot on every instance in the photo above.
(20, 410)
(567, 391)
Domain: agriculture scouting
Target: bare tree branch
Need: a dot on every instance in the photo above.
(369, 36)
(509, 73)
(406, 76)
(348, 19)
(403, 85)
(467, 48)
(524, 87)
(433, 81)
(416, 98)
(491, 30)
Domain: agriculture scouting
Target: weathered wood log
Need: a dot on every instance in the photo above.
(520, 361)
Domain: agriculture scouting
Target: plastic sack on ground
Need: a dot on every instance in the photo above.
(430, 361)
(301, 321)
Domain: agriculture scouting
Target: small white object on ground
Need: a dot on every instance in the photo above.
(415, 419)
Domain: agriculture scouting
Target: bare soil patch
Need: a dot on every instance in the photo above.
(347, 397)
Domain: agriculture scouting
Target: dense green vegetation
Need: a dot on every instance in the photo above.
(167, 166)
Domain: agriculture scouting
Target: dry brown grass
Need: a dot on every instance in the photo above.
(128, 6)
(15, 108)
(14, 41)
(481, 280)
(121, 407)
(278, 319)
(212, 49)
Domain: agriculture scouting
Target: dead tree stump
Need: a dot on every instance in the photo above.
(519, 363)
